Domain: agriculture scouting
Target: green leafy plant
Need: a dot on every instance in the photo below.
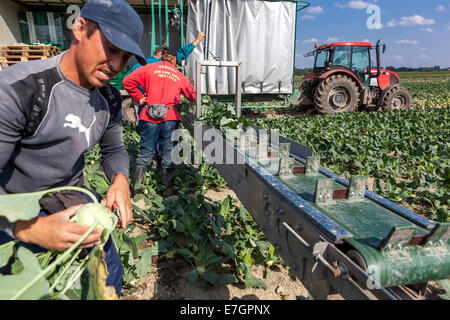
(219, 239)
(446, 285)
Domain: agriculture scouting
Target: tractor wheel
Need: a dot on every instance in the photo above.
(307, 90)
(336, 94)
(396, 98)
(128, 110)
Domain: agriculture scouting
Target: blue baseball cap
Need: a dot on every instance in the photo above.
(119, 22)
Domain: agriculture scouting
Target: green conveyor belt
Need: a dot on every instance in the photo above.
(366, 220)
(370, 223)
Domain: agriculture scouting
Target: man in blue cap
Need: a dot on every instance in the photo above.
(52, 111)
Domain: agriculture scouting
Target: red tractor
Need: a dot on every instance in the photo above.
(344, 79)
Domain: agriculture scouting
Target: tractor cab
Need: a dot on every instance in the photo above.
(354, 57)
(344, 78)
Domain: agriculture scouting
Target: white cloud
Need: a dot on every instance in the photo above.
(311, 40)
(332, 39)
(424, 56)
(354, 4)
(315, 10)
(366, 40)
(358, 4)
(441, 8)
(414, 20)
(307, 17)
(406, 41)
(428, 29)
(397, 57)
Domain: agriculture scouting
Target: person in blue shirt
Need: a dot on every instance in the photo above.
(182, 53)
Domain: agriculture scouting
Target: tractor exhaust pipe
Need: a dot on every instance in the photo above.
(378, 58)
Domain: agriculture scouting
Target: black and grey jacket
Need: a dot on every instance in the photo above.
(52, 153)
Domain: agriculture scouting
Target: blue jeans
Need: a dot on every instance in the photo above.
(113, 262)
(151, 133)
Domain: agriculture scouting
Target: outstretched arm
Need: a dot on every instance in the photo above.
(185, 51)
(199, 38)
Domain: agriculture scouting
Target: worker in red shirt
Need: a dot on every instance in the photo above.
(162, 83)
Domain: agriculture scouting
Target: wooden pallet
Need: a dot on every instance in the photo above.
(51, 49)
(11, 54)
(25, 53)
(15, 59)
(29, 47)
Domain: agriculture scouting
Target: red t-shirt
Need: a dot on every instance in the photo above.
(163, 83)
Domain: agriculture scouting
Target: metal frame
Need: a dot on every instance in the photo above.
(300, 5)
(158, 3)
(201, 69)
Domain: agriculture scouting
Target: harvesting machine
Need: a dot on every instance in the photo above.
(344, 79)
(335, 235)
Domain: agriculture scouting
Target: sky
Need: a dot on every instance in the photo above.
(416, 32)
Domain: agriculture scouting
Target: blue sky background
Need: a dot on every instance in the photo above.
(417, 33)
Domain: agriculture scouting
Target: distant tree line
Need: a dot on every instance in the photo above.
(406, 69)
(302, 72)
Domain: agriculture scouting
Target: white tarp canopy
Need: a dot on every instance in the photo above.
(260, 34)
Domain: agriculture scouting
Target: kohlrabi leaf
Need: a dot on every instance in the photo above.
(13, 285)
(25, 206)
(98, 271)
(20, 206)
(6, 251)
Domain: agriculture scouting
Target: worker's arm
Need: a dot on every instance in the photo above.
(199, 38)
(185, 51)
(115, 159)
(132, 82)
(116, 163)
(188, 90)
(12, 121)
